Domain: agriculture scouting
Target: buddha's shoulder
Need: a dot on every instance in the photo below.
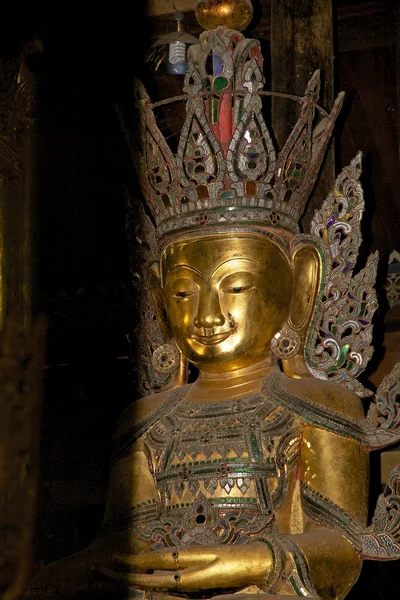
(140, 411)
(327, 395)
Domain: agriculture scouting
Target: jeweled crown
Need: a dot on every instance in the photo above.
(226, 171)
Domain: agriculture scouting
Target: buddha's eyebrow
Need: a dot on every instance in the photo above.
(236, 259)
(188, 267)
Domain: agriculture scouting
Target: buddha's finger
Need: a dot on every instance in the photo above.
(184, 581)
(155, 581)
(171, 559)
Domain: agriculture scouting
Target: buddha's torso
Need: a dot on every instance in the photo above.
(226, 471)
(222, 469)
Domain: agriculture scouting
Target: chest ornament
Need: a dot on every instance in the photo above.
(203, 524)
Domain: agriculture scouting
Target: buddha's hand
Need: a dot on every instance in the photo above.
(195, 568)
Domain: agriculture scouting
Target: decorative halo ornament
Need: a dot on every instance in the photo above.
(285, 344)
(165, 359)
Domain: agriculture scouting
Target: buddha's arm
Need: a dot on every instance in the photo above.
(132, 495)
(133, 498)
(333, 483)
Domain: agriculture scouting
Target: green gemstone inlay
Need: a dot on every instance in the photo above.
(343, 354)
(254, 447)
(220, 83)
(227, 195)
(295, 586)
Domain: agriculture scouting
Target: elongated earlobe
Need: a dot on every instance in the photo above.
(168, 363)
(306, 282)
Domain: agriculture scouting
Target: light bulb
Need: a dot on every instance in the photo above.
(177, 52)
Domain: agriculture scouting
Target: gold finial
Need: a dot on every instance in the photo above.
(234, 14)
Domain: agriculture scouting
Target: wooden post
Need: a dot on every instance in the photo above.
(301, 42)
(398, 74)
(21, 344)
(18, 184)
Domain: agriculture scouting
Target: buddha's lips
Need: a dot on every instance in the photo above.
(210, 340)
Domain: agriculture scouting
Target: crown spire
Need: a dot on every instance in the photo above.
(233, 14)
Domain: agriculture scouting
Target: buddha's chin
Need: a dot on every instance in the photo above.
(222, 352)
(217, 349)
(215, 362)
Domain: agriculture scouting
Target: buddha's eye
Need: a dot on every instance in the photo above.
(238, 289)
(237, 283)
(183, 294)
(181, 288)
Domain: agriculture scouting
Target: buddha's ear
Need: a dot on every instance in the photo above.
(154, 278)
(180, 376)
(306, 283)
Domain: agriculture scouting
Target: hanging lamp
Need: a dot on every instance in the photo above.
(168, 53)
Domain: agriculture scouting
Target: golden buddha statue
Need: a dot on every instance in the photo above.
(254, 478)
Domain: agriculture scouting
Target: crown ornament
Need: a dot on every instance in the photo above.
(226, 171)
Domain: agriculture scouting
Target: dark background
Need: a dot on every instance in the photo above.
(83, 283)
(90, 58)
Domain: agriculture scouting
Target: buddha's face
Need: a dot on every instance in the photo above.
(226, 296)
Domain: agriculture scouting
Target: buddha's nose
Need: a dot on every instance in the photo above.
(209, 313)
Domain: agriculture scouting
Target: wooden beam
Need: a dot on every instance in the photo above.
(359, 25)
(370, 126)
(366, 25)
(158, 8)
(301, 42)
